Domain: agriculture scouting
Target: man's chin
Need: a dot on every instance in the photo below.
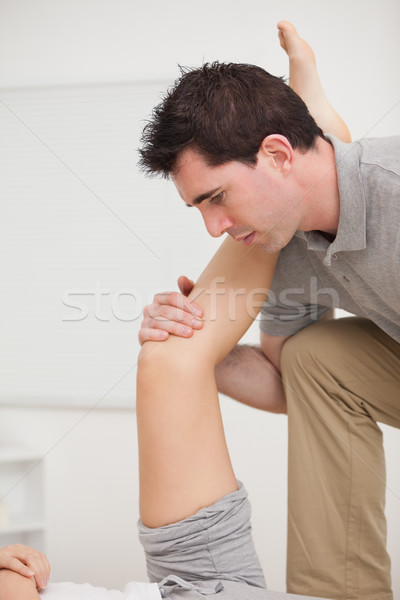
(268, 249)
(272, 248)
(273, 245)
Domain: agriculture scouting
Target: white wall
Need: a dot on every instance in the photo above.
(91, 460)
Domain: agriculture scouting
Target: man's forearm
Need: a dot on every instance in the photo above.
(246, 375)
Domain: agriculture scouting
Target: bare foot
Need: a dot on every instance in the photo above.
(295, 47)
(305, 81)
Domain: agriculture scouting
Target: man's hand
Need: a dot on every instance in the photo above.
(171, 313)
(27, 562)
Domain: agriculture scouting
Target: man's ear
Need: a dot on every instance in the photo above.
(278, 151)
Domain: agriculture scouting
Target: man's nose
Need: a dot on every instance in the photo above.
(216, 225)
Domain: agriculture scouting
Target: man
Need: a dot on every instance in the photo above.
(243, 149)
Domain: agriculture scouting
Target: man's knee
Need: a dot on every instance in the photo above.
(328, 343)
(300, 350)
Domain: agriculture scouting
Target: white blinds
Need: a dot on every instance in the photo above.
(84, 240)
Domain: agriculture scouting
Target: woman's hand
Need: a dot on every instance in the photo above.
(27, 562)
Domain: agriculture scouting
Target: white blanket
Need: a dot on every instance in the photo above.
(85, 591)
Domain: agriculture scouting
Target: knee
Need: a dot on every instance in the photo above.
(159, 361)
(155, 362)
(157, 371)
(303, 347)
(327, 344)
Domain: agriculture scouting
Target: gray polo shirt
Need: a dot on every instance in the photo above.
(359, 270)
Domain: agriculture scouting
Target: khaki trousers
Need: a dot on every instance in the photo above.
(341, 377)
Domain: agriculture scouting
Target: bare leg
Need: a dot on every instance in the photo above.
(304, 79)
(183, 458)
(184, 463)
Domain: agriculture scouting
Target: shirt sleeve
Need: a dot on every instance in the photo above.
(288, 319)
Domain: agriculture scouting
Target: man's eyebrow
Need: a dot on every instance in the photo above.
(202, 197)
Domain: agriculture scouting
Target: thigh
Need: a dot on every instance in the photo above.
(359, 357)
(341, 377)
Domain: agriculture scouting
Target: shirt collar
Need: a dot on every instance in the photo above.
(351, 233)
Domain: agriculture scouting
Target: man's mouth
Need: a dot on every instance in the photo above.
(249, 239)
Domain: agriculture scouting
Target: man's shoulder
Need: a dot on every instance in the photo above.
(383, 153)
(374, 151)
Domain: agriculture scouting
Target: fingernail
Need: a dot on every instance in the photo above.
(196, 324)
(31, 573)
(197, 311)
(186, 330)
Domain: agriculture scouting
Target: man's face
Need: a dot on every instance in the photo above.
(254, 205)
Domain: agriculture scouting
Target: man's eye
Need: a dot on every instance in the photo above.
(217, 198)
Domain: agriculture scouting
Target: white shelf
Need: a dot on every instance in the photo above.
(22, 508)
(22, 526)
(12, 454)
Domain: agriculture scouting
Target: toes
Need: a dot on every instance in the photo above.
(287, 36)
(282, 41)
(287, 27)
(296, 48)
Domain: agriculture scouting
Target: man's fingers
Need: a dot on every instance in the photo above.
(185, 285)
(147, 334)
(179, 301)
(165, 311)
(170, 313)
(176, 315)
(155, 315)
(155, 329)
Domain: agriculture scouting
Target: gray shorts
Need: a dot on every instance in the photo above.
(212, 547)
(210, 553)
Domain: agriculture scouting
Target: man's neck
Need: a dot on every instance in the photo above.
(318, 177)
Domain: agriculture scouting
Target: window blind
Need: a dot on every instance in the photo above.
(85, 241)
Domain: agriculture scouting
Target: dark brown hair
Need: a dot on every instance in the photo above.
(224, 111)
